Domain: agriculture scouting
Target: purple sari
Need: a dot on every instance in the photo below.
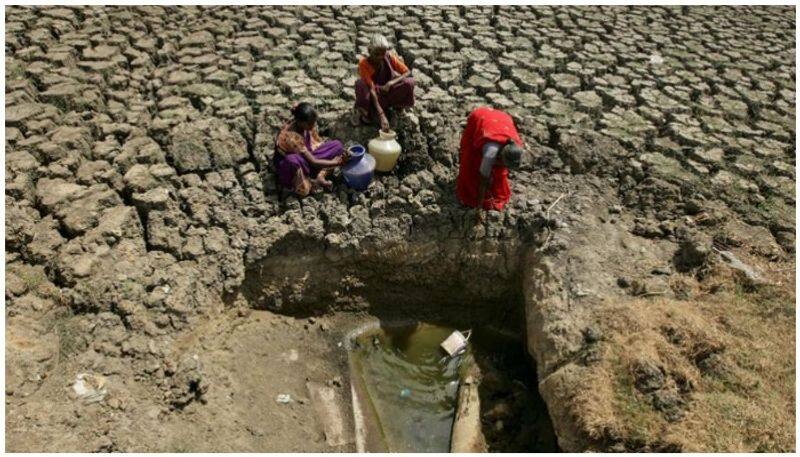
(286, 165)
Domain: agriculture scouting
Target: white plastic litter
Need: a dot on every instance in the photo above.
(292, 355)
(91, 388)
(456, 343)
(283, 399)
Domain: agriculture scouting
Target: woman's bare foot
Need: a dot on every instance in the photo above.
(322, 182)
(304, 188)
(302, 185)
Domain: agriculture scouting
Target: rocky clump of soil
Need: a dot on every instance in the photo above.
(141, 203)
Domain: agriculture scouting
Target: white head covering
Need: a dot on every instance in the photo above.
(379, 41)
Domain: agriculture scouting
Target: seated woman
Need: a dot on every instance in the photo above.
(385, 82)
(301, 158)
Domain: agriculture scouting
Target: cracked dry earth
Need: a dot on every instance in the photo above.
(146, 240)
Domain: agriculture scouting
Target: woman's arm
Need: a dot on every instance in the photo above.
(399, 67)
(392, 82)
(489, 156)
(292, 142)
(378, 109)
(480, 213)
(320, 163)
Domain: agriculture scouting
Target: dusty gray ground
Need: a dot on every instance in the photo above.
(140, 199)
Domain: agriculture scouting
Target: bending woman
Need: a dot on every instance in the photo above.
(302, 159)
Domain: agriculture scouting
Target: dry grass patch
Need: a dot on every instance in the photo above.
(712, 373)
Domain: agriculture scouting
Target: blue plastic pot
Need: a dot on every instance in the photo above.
(360, 169)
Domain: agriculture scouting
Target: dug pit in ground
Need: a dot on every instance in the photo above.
(422, 278)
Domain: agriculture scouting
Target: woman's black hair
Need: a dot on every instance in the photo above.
(512, 154)
(304, 112)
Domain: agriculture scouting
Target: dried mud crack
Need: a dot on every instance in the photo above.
(645, 260)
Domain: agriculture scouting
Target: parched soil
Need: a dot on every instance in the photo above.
(646, 258)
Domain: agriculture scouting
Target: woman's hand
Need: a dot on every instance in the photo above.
(384, 123)
(344, 158)
(480, 216)
(397, 79)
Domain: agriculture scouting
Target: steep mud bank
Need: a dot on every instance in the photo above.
(450, 276)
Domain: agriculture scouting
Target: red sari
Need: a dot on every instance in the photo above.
(485, 124)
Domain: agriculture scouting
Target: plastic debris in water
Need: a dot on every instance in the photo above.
(456, 343)
(451, 389)
(405, 393)
(283, 399)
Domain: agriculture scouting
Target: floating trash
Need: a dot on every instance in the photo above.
(456, 343)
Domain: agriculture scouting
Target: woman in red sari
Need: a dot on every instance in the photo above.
(384, 82)
(490, 146)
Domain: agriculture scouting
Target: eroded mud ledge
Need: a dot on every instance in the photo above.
(302, 277)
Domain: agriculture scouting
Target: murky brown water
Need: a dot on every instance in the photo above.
(413, 387)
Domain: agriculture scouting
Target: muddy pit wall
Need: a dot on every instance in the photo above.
(429, 278)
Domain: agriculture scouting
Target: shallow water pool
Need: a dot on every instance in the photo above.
(411, 384)
(411, 388)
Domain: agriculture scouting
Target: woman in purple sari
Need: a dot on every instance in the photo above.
(384, 82)
(302, 160)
